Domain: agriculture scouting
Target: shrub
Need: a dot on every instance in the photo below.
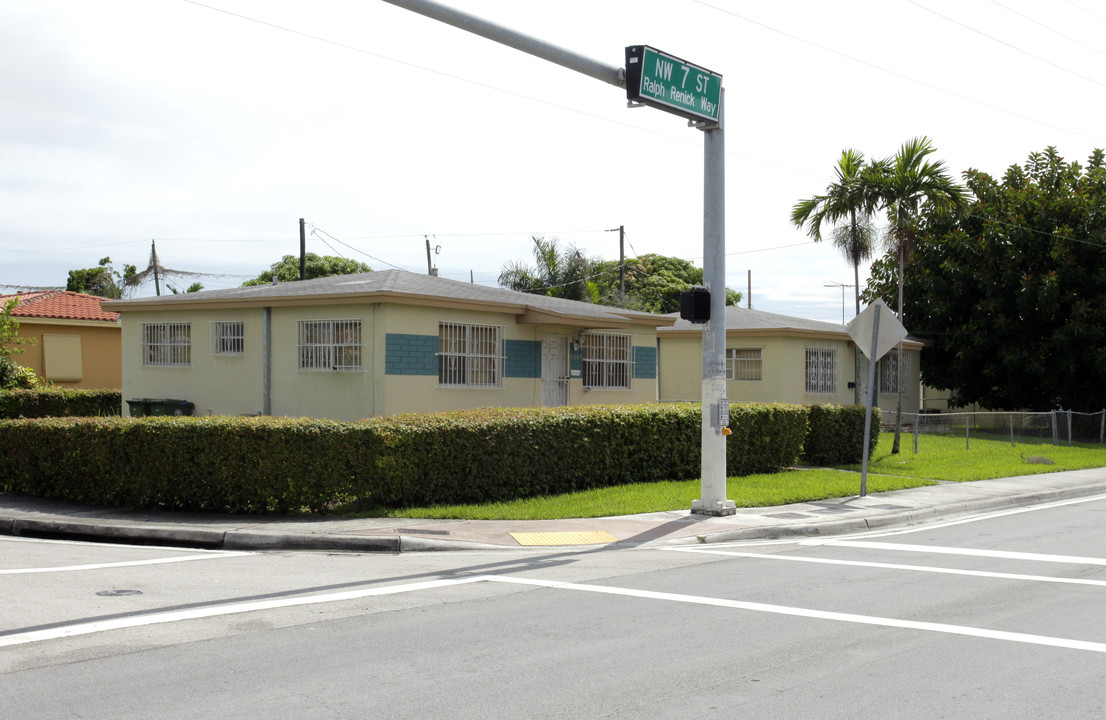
(836, 435)
(59, 402)
(764, 437)
(263, 464)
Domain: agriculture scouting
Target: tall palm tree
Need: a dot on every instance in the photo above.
(846, 199)
(556, 273)
(906, 186)
(847, 204)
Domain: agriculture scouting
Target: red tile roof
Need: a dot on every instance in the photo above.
(59, 305)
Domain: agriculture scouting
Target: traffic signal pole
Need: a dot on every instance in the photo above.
(696, 102)
(712, 498)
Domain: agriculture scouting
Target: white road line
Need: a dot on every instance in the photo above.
(970, 552)
(894, 566)
(217, 610)
(823, 615)
(156, 618)
(128, 563)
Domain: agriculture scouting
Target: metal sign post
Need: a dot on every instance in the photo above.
(868, 405)
(874, 334)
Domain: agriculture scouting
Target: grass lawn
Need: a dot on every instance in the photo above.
(944, 457)
(938, 458)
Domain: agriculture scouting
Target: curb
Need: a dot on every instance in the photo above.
(899, 519)
(210, 539)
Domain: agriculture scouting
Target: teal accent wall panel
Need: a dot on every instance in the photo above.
(523, 359)
(645, 362)
(410, 354)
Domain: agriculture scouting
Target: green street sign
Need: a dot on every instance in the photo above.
(668, 83)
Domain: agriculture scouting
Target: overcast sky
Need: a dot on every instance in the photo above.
(212, 128)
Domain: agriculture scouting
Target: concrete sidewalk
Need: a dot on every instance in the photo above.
(34, 517)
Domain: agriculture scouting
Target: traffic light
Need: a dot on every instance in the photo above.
(695, 304)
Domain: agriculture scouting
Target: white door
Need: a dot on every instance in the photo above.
(554, 370)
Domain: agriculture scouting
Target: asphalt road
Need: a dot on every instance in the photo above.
(999, 616)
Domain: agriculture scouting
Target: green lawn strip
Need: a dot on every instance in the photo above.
(766, 490)
(945, 457)
(939, 457)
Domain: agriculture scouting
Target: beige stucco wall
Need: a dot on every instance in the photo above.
(216, 384)
(232, 385)
(421, 393)
(783, 371)
(99, 365)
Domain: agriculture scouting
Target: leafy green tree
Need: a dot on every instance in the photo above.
(653, 283)
(101, 280)
(315, 266)
(907, 185)
(12, 375)
(847, 204)
(557, 272)
(1014, 295)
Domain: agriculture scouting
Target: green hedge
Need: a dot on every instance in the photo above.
(836, 435)
(279, 465)
(59, 402)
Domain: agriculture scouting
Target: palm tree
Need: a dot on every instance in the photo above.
(556, 273)
(846, 199)
(907, 185)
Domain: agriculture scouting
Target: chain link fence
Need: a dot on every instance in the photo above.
(1055, 427)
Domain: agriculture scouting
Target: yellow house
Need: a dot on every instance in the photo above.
(352, 346)
(777, 358)
(75, 342)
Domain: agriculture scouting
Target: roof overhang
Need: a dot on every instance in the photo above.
(525, 315)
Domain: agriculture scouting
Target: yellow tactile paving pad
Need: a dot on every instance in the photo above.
(583, 537)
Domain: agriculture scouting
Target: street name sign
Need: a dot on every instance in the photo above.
(669, 83)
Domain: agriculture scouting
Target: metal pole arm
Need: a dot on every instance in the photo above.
(519, 41)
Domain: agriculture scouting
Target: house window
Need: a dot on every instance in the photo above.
(228, 338)
(743, 363)
(607, 360)
(890, 381)
(821, 370)
(330, 344)
(468, 355)
(167, 344)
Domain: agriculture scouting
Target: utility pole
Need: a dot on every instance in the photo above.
(303, 251)
(154, 261)
(430, 269)
(622, 261)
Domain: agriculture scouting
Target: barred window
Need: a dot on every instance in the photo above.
(228, 338)
(468, 355)
(890, 380)
(607, 359)
(821, 370)
(330, 344)
(167, 344)
(743, 363)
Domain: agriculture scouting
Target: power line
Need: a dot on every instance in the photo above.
(315, 230)
(1003, 42)
(881, 68)
(1050, 29)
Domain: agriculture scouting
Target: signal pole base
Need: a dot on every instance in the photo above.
(717, 508)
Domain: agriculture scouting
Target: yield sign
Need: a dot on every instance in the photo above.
(890, 333)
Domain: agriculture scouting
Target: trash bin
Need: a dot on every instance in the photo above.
(145, 407)
(139, 408)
